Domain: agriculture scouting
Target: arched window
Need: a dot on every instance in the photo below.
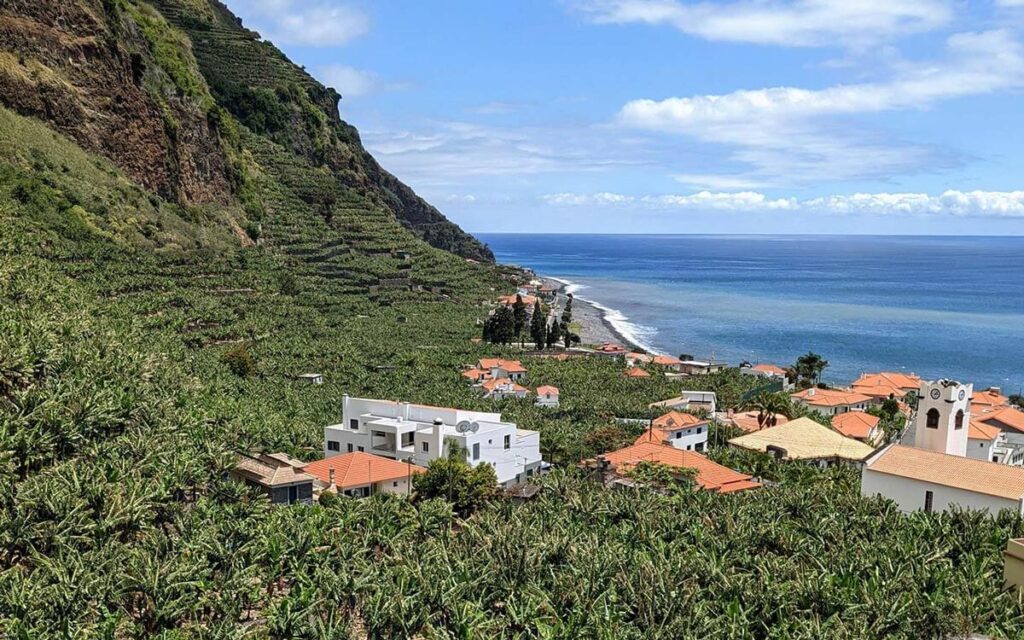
(959, 424)
(933, 419)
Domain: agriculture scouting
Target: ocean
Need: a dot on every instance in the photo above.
(935, 306)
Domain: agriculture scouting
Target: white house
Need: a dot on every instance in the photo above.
(421, 433)
(689, 401)
(361, 475)
(547, 396)
(832, 402)
(499, 368)
(501, 388)
(938, 471)
(680, 430)
(771, 373)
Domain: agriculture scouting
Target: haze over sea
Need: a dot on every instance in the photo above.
(935, 306)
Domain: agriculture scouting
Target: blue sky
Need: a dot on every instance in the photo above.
(746, 116)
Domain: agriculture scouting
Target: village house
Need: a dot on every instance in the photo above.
(988, 400)
(634, 358)
(805, 440)
(611, 349)
(859, 425)
(637, 372)
(985, 442)
(528, 299)
(1009, 421)
(360, 475)
(420, 433)
(668, 363)
(886, 385)
(749, 421)
(547, 396)
(690, 401)
(771, 372)
(832, 402)
(499, 368)
(680, 430)
(279, 475)
(502, 388)
(711, 476)
(938, 471)
(700, 367)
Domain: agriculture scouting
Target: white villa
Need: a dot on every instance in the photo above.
(680, 430)
(420, 433)
(547, 396)
(502, 388)
(689, 401)
(832, 402)
(941, 469)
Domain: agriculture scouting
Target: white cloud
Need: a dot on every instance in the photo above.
(498, 107)
(348, 81)
(791, 23)
(789, 134)
(955, 203)
(314, 23)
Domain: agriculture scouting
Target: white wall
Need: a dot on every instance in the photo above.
(979, 449)
(688, 439)
(909, 494)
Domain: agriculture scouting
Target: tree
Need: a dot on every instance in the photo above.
(466, 488)
(519, 316)
(538, 328)
(1017, 400)
(554, 333)
(569, 337)
(567, 312)
(769, 406)
(239, 361)
(809, 368)
(500, 327)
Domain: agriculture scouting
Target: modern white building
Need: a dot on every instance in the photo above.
(941, 469)
(421, 433)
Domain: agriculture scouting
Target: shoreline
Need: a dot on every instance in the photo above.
(595, 327)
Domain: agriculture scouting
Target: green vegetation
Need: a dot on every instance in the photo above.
(144, 343)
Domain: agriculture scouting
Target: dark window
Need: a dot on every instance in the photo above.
(333, 445)
(700, 429)
(529, 473)
(395, 483)
(699, 446)
(679, 434)
(293, 494)
(933, 419)
(361, 449)
(959, 424)
(350, 447)
(353, 424)
(426, 447)
(508, 442)
(928, 495)
(476, 451)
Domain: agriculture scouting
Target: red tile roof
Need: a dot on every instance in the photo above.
(773, 369)
(978, 430)
(637, 372)
(528, 300)
(512, 366)
(1009, 418)
(609, 347)
(666, 361)
(831, 397)
(358, 469)
(750, 420)
(674, 420)
(547, 390)
(710, 475)
(855, 424)
(886, 384)
(502, 384)
(988, 399)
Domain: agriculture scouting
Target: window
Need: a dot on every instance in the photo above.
(333, 445)
(933, 419)
(959, 423)
(508, 442)
(426, 447)
(699, 446)
(353, 424)
(687, 447)
(395, 483)
(293, 494)
(407, 439)
(361, 449)
(928, 496)
(350, 447)
(700, 429)
(529, 473)
(679, 434)
(476, 451)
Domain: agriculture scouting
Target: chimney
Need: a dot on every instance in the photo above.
(437, 438)
(810, 392)
(998, 390)
(405, 411)
(330, 477)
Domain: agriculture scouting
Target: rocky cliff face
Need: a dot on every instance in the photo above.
(93, 71)
(159, 87)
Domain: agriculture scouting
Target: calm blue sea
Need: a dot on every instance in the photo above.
(935, 306)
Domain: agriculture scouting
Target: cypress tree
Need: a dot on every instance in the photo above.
(538, 328)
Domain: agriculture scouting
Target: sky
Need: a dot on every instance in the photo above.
(671, 116)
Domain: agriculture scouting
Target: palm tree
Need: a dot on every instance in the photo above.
(769, 406)
(809, 367)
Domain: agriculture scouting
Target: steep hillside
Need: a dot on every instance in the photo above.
(177, 94)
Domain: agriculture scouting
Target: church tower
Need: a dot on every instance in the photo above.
(943, 417)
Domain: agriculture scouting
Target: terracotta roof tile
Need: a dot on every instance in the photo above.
(675, 420)
(358, 469)
(710, 475)
(855, 424)
(978, 476)
(831, 397)
(637, 372)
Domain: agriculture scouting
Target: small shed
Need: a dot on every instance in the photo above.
(312, 378)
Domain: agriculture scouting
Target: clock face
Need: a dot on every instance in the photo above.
(935, 394)
(963, 394)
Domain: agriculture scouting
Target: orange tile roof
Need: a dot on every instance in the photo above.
(831, 397)
(475, 374)
(710, 475)
(666, 361)
(676, 420)
(886, 384)
(989, 399)
(503, 384)
(528, 300)
(750, 420)
(358, 469)
(609, 347)
(769, 368)
(512, 366)
(637, 372)
(855, 424)
(1007, 418)
(547, 390)
(977, 476)
(978, 430)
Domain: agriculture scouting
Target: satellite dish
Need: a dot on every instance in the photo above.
(474, 427)
(464, 426)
